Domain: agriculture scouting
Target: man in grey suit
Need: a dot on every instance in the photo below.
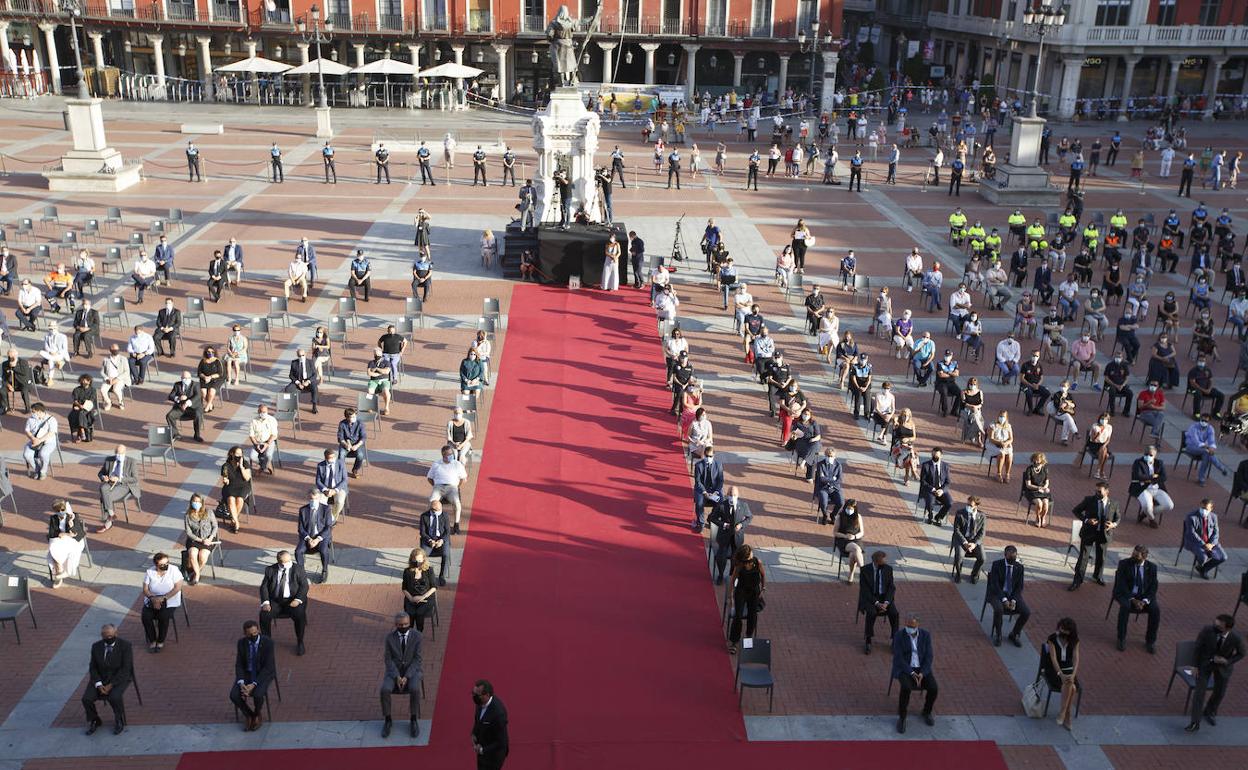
(968, 539)
(402, 656)
(117, 482)
(731, 516)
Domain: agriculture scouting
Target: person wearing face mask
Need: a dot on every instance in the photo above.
(1083, 356)
(67, 538)
(708, 486)
(729, 519)
(1061, 409)
(934, 487)
(303, 378)
(284, 594)
(168, 329)
(1135, 590)
(1005, 596)
(188, 404)
(109, 674)
(1148, 487)
(859, 382)
(922, 359)
(912, 668)
(968, 539)
(1009, 353)
(876, 593)
(262, 434)
(806, 442)
(377, 370)
(947, 385)
(1099, 517)
(419, 592)
(1163, 363)
(1031, 379)
(791, 407)
(331, 481)
(1200, 386)
(315, 532)
(254, 670)
(1218, 649)
(471, 373)
(1097, 444)
(883, 411)
(829, 477)
(202, 537)
(1203, 337)
(1200, 442)
(235, 485)
(435, 538)
(403, 673)
(1203, 539)
(1059, 665)
(1116, 388)
(162, 595)
(446, 477)
(848, 531)
(1125, 333)
(749, 581)
(489, 727)
(1094, 313)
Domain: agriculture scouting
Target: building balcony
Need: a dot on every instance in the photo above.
(433, 23)
(480, 22)
(1153, 35)
(181, 12)
(860, 6)
(390, 22)
(226, 12)
(975, 25)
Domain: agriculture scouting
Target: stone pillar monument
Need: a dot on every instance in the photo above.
(566, 134)
(91, 166)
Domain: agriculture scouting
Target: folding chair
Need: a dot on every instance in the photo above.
(159, 445)
(368, 409)
(279, 310)
(116, 312)
(195, 313)
(14, 600)
(414, 307)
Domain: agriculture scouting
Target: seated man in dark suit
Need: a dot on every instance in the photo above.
(117, 482)
(168, 326)
(912, 668)
(216, 276)
(353, 440)
(109, 675)
(489, 727)
(435, 537)
(968, 539)
(16, 378)
(1005, 594)
(731, 515)
(316, 532)
(86, 328)
(1135, 590)
(284, 594)
(934, 487)
(829, 478)
(1203, 539)
(255, 668)
(188, 404)
(708, 485)
(875, 597)
(331, 481)
(403, 672)
(1218, 649)
(303, 377)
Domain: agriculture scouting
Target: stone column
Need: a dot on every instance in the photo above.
(205, 66)
(359, 62)
(827, 101)
(1072, 70)
(1211, 87)
(459, 59)
(1173, 82)
(1021, 83)
(691, 69)
(504, 75)
(158, 53)
(4, 41)
(307, 79)
(1127, 76)
(251, 49)
(784, 71)
(97, 49)
(738, 59)
(413, 50)
(53, 64)
(1111, 74)
(650, 48)
(607, 70)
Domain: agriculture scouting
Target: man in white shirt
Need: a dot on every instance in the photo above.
(883, 411)
(741, 304)
(141, 349)
(1237, 313)
(933, 280)
(1009, 353)
(40, 430)
(262, 433)
(296, 275)
(998, 285)
(913, 270)
(446, 476)
(658, 279)
(1148, 485)
(143, 274)
(665, 304)
(959, 307)
(29, 306)
(115, 371)
(1068, 297)
(55, 347)
(1167, 158)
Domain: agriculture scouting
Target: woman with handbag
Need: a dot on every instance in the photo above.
(67, 539)
(748, 580)
(1059, 665)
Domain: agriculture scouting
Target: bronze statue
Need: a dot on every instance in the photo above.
(563, 59)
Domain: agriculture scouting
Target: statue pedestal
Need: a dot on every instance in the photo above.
(565, 128)
(92, 166)
(324, 129)
(1022, 181)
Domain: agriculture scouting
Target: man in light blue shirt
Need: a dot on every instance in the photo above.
(1200, 442)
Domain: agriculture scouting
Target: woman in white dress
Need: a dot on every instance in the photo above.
(829, 332)
(489, 249)
(67, 538)
(701, 434)
(695, 159)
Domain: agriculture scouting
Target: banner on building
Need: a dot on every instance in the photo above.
(912, 48)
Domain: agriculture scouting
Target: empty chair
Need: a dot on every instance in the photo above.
(69, 242)
(279, 310)
(157, 229)
(113, 216)
(175, 219)
(112, 259)
(159, 445)
(414, 307)
(338, 331)
(260, 331)
(91, 230)
(406, 327)
(346, 308)
(491, 308)
(467, 402)
(135, 243)
(50, 215)
(1186, 668)
(368, 409)
(488, 326)
(754, 669)
(195, 312)
(14, 600)
(116, 312)
(288, 411)
(26, 229)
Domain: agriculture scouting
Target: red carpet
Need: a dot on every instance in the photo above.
(583, 596)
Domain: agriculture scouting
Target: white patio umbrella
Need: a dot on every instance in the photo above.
(327, 67)
(36, 68)
(25, 64)
(255, 64)
(451, 70)
(386, 67)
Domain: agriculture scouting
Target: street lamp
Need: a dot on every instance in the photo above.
(811, 45)
(74, 9)
(320, 32)
(1041, 19)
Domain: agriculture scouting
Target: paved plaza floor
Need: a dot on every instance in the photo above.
(826, 689)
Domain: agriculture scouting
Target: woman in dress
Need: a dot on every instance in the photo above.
(695, 159)
(235, 485)
(1059, 664)
(902, 448)
(701, 434)
(82, 409)
(829, 333)
(1001, 447)
(1202, 335)
(201, 537)
(1163, 366)
(1036, 487)
(721, 155)
(321, 352)
(748, 580)
(235, 354)
(972, 413)
(784, 267)
(211, 371)
(847, 536)
(1097, 445)
(489, 249)
(1168, 315)
(485, 350)
(67, 538)
(459, 434)
(419, 591)
(690, 402)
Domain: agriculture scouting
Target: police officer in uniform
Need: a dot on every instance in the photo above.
(673, 168)
(275, 162)
(426, 174)
(752, 175)
(855, 171)
(327, 157)
(509, 167)
(192, 163)
(478, 167)
(382, 157)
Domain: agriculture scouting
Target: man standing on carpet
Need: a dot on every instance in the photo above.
(489, 727)
(636, 256)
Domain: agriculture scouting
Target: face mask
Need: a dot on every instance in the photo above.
(353, 418)
(1101, 422)
(912, 631)
(1001, 420)
(196, 505)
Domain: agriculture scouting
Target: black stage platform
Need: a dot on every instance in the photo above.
(579, 251)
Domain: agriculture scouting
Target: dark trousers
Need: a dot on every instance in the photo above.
(359, 456)
(192, 170)
(1081, 564)
(478, 172)
(390, 688)
(855, 174)
(771, 165)
(955, 184)
(751, 178)
(892, 174)
(80, 339)
(330, 170)
(138, 368)
(907, 684)
(509, 172)
(170, 337)
(723, 552)
(960, 554)
(282, 609)
(1112, 157)
(1023, 612)
(302, 549)
(383, 169)
(276, 169)
(860, 399)
(117, 702)
(156, 623)
(1154, 620)
(1112, 395)
(423, 288)
(744, 607)
(177, 414)
(1073, 182)
(1044, 153)
(426, 174)
(947, 390)
(311, 390)
(257, 698)
(1199, 399)
(870, 613)
(635, 261)
(84, 279)
(215, 286)
(6, 401)
(443, 553)
(353, 284)
(1185, 183)
(829, 500)
(618, 169)
(945, 500)
(1221, 677)
(673, 171)
(1035, 398)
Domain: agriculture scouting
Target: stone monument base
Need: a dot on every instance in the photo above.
(324, 129)
(91, 166)
(565, 135)
(1017, 187)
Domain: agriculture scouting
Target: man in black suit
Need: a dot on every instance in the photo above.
(968, 539)
(934, 487)
(1100, 516)
(1148, 486)
(731, 516)
(489, 727)
(303, 377)
(316, 532)
(403, 673)
(110, 672)
(708, 486)
(829, 481)
(435, 538)
(1005, 594)
(8, 270)
(16, 378)
(168, 326)
(188, 404)
(1218, 649)
(216, 276)
(284, 594)
(1135, 590)
(86, 328)
(875, 597)
(255, 668)
(912, 668)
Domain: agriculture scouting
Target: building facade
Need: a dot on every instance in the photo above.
(710, 45)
